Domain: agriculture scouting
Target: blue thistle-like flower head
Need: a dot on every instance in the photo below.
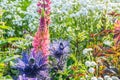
(33, 65)
(59, 48)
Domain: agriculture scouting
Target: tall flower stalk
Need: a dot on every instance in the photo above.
(41, 38)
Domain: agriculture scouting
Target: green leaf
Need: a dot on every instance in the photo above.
(11, 58)
(2, 42)
(2, 65)
(14, 39)
(72, 56)
(5, 27)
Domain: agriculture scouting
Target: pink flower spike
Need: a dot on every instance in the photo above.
(41, 39)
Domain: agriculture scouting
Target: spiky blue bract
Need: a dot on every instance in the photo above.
(32, 66)
(59, 48)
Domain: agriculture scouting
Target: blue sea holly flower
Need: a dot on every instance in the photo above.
(59, 48)
(32, 66)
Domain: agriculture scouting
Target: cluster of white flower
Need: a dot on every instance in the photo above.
(18, 20)
(91, 65)
(21, 17)
(94, 78)
(26, 42)
(61, 6)
(87, 50)
(11, 33)
(58, 7)
(105, 78)
(32, 15)
(65, 6)
(65, 12)
(91, 70)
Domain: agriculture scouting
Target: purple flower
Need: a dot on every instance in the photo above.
(59, 48)
(31, 66)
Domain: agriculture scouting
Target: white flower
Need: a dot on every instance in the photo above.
(100, 78)
(29, 37)
(11, 33)
(93, 78)
(72, 15)
(107, 42)
(91, 70)
(109, 79)
(114, 78)
(106, 77)
(86, 76)
(8, 17)
(88, 63)
(84, 2)
(93, 63)
(86, 50)
(83, 11)
(100, 7)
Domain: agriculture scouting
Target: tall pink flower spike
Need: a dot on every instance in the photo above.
(41, 39)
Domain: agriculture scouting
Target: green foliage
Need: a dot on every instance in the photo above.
(87, 30)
